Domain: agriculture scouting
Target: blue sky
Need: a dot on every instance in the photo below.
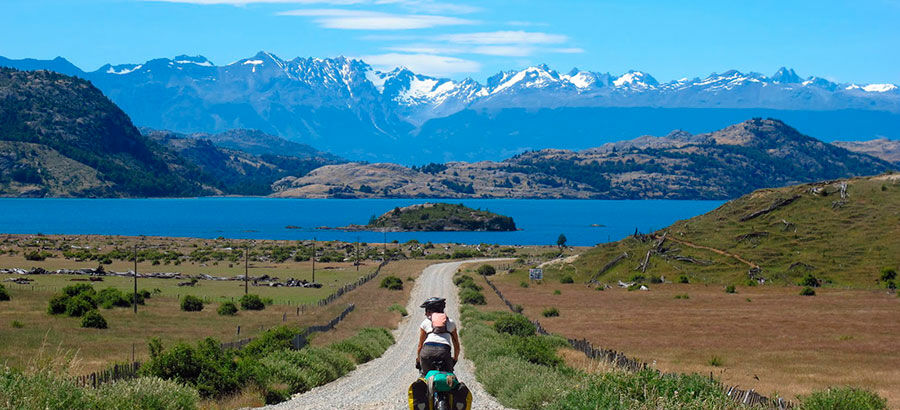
(848, 41)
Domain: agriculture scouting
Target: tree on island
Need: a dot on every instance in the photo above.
(561, 241)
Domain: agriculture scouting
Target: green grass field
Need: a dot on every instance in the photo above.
(842, 242)
(331, 279)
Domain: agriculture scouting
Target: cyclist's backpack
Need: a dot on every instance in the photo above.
(438, 323)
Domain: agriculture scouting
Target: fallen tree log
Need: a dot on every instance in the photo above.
(775, 205)
(751, 235)
(608, 266)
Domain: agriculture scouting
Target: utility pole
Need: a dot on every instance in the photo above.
(247, 269)
(134, 298)
(314, 260)
(357, 254)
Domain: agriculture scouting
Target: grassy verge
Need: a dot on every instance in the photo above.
(526, 372)
(178, 377)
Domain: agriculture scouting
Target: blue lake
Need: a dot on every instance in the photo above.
(584, 222)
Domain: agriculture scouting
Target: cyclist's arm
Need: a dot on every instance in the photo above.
(455, 337)
(422, 336)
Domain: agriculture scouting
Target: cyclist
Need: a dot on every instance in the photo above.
(436, 334)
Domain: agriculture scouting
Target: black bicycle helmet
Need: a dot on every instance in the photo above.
(434, 304)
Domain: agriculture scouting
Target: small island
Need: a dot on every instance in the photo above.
(430, 217)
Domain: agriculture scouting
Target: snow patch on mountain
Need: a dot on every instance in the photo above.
(879, 88)
(123, 69)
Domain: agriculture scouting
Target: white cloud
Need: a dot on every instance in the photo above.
(435, 65)
(429, 6)
(505, 37)
(373, 20)
(519, 23)
(567, 50)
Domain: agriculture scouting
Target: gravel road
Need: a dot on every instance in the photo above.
(383, 382)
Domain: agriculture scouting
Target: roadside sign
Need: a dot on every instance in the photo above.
(536, 274)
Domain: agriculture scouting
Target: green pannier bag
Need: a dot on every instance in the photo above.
(441, 381)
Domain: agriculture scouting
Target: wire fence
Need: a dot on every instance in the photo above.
(351, 286)
(621, 361)
(117, 372)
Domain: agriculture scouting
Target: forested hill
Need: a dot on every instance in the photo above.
(724, 164)
(60, 136)
(244, 162)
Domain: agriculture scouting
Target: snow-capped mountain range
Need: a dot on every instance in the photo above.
(317, 100)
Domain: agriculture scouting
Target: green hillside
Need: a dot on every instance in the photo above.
(788, 233)
(54, 123)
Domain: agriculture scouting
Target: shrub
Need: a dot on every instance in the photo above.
(79, 305)
(557, 292)
(17, 324)
(272, 340)
(518, 308)
(227, 309)
(730, 289)
(4, 295)
(516, 325)
(656, 279)
(683, 296)
(537, 350)
(888, 274)
(807, 291)
(93, 319)
(111, 297)
(809, 280)
(145, 293)
(550, 312)
(459, 280)
(252, 302)
(212, 371)
(683, 279)
(81, 288)
(466, 281)
(637, 278)
(715, 361)
(392, 283)
(191, 303)
(843, 398)
(566, 279)
(486, 270)
(57, 304)
(396, 307)
(472, 297)
(36, 256)
(523, 284)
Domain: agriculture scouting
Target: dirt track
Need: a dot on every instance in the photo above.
(383, 382)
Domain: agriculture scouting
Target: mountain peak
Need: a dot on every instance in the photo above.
(198, 60)
(636, 79)
(786, 76)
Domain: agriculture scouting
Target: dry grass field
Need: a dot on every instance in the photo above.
(372, 302)
(42, 334)
(792, 344)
